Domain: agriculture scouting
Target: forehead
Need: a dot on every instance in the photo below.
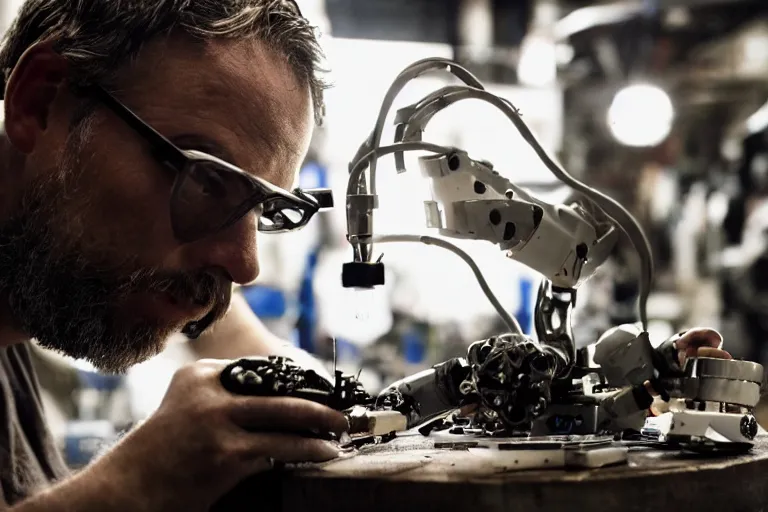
(240, 89)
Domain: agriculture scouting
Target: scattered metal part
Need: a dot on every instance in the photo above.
(279, 376)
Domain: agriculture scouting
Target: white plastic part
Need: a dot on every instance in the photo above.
(712, 426)
(385, 422)
(463, 212)
(625, 355)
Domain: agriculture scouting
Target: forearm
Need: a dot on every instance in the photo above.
(242, 334)
(84, 492)
(101, 486)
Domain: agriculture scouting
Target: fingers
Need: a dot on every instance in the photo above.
(699, 338)
(285, 414)
(255, 447)
(707, 352)
(701, 343)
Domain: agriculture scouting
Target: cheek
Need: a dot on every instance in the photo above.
(124, 199)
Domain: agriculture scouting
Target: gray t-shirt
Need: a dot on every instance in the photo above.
(29, 459)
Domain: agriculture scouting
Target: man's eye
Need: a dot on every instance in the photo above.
(209, 182)
(214, 186)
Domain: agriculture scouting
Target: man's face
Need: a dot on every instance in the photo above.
(88, 260)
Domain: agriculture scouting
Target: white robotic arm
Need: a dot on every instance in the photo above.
(546, 384)
(470, 200)
(515, 383)
(565, 243)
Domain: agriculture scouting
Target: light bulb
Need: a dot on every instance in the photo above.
(362, 304)
(641, 115)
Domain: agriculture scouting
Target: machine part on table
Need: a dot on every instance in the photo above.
(365, 422)
(614, 412)
(555, 452)
(426, 394)
(723, 381)
(712, 406)
(511, 376)
(280, 376)
(703, 430)
(705, 367)
(625, 355)
(567, 419)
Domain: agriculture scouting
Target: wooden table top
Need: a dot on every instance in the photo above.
(410, 475)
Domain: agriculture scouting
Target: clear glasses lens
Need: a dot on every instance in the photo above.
(208, 197)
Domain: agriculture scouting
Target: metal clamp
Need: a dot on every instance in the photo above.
(738, 392)
(729, 369)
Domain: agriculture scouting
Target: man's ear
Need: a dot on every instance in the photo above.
(31, 90)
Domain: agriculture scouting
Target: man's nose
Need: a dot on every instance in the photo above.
(233, 250)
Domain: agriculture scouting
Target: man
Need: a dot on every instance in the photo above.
(111, 239)
(123, 219)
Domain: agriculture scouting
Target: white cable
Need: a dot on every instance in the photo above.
(452, 94)
(411, 72)
(610, 206)
(509, 320)
(355, 173)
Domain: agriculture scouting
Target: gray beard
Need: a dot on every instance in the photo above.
(67, 307)
(68, 300)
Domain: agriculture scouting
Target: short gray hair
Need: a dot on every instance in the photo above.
(99, 36)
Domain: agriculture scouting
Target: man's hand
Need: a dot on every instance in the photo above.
(700, 342)
(210, 439)
(200, 443)
(697, 342)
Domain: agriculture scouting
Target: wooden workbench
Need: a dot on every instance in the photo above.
(409, 475)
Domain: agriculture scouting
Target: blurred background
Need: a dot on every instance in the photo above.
(660, 103)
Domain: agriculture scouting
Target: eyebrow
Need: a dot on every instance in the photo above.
(205, 144)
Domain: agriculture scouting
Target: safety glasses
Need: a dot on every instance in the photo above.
(209, 194)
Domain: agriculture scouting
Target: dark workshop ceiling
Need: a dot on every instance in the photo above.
(690, 46)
